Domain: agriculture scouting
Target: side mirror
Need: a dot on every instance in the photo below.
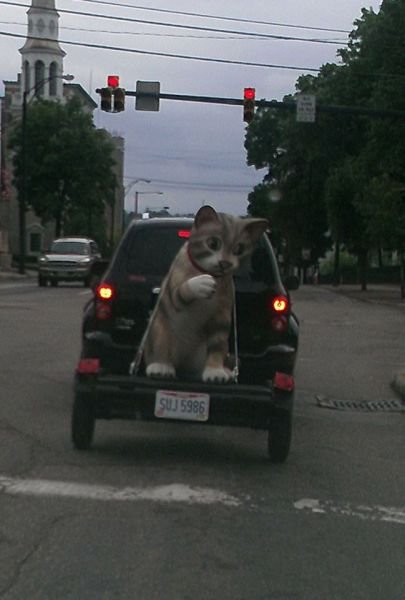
(292, 283)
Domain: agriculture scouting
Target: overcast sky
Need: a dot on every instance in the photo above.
(193, 153)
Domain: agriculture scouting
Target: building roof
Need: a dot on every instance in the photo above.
(77, 90)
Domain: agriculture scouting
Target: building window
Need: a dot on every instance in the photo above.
(35, 243)
(53, 72)
(39, 77)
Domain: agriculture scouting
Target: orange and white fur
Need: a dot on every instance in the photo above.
(190, 327)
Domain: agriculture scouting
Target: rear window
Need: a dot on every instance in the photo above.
(260, 266)
(151, 251)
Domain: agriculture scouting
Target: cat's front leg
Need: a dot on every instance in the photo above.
(160, 370)
(216, 375)
(198, 288)
(215, 371)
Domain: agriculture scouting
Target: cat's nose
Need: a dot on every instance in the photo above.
(225, 265)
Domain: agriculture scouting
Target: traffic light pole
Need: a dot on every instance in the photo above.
(288, 106)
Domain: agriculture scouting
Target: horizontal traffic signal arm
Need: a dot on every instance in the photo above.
(355, 110)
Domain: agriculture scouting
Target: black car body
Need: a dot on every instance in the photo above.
(116, 317)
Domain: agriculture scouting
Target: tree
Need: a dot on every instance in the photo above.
(293, 161)
(343, 194)
(69, 164)
(332, 173)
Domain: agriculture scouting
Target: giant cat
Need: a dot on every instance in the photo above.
(190, 327)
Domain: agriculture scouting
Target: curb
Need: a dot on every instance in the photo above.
(15, 276)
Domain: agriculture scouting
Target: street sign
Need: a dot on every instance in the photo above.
(306, 108)
(147, 95)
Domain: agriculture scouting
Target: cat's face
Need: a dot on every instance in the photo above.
(219, 242)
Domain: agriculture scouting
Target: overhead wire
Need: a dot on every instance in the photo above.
(216, 17)
(167, 54)
(136, 33)
(224, 187)
(177, 25)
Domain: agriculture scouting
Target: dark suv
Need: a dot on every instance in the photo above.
(116, 317)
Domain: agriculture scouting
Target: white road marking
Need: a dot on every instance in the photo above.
(175, 492)
(388, 514)
(182, 493)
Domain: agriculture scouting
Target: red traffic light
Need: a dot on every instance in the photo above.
(249, 101)
(249, 93)
(113, 81)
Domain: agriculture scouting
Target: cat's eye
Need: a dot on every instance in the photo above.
(214, 243)
(239, 249)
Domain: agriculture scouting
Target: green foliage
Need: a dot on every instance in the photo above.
(343, 194)
(69, 177)
(345, 174)
(347, 262)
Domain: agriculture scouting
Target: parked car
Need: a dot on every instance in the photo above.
(116, 317)
(68, 259)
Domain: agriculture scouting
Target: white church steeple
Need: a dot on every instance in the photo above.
(42, 57)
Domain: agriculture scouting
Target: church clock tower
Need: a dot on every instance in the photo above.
(42, 57)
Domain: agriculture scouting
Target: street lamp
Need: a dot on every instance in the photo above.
(22, 204)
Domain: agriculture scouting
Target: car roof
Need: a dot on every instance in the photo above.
(162, 221)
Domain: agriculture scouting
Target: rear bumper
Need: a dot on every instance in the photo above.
(133, 397)
(254, 368)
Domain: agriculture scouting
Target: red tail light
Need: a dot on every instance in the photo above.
(279, 307)
(88, 366)
(105, 291)
(280, 304)
(184, 233)
(283, 381)
(104, 294)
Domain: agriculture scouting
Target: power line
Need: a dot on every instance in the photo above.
(217, 17)
(180, 26)
(224, 187)
(167, 54)
(137, 33)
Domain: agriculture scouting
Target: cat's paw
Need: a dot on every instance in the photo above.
(216, 375)
(160, 370)
(202, 286)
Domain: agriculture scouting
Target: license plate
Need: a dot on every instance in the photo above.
(189, 406)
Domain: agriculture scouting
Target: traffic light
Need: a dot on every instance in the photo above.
(112, 96)
(119, 99)
(249, 95)
(106, 99)
(113, 81)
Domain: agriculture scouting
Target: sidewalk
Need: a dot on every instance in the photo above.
(388, 295)
(375, 293)
(13, 274)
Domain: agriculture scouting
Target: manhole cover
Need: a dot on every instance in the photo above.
(374, 406)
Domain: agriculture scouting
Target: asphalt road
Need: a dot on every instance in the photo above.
(191, 512)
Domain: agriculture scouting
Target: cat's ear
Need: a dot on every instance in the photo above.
(255, 228)
(206, 214)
